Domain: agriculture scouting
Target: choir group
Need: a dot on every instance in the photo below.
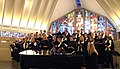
(95, 46)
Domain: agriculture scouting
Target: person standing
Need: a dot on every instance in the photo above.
(92, 58)
(45, 45)
(81, 46)
(100, 48)
(71, 46)
(108, 53)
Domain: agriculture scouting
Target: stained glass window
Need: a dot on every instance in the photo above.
(109, 25)
(12, 34)
(93, 22)
(101, 23)
(79, 19)
(87, 21)
(66, 21)
(55, 25)
(5, 34)
(82, 19)
(78, 3)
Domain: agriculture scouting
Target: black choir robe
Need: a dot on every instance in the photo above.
(92, 61)
(45, 43)
(80, 48)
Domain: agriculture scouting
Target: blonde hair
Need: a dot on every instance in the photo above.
(92, 49)
(91, 38)
(45, 37)
(32, 39)
(81, 38)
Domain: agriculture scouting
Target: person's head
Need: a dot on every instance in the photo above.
(64, 36)
(59, 39)
(36, 33)
(81, 38)
(45, 37)
(26, 38)
(23, 40)
(99, 36)
(40, 36)
(106, 33)
(92, 34)
(44, 31)
(108, 38)
(40, 31)
(29, 37)
(31, 34)
(49, 33)
(102, 32)
(85, 35)
(35, 36)
(82, 30)
(16, 41)
(33, 40)
(78, 31)
(95, 32)
(57, 30)
(91, 38)
(71, 38)
(74, 31)
(54, 37)
(89, 31)
(66, 30)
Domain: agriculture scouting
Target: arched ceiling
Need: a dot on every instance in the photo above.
(112, 8)
(25, 15)
(32, 15)
(108, 8)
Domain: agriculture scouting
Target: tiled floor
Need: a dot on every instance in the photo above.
(9, 65)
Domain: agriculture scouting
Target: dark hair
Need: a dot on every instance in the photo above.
(44, 31)
(71, 36)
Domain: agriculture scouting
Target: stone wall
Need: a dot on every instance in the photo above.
(117, 45)
(5, 50)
